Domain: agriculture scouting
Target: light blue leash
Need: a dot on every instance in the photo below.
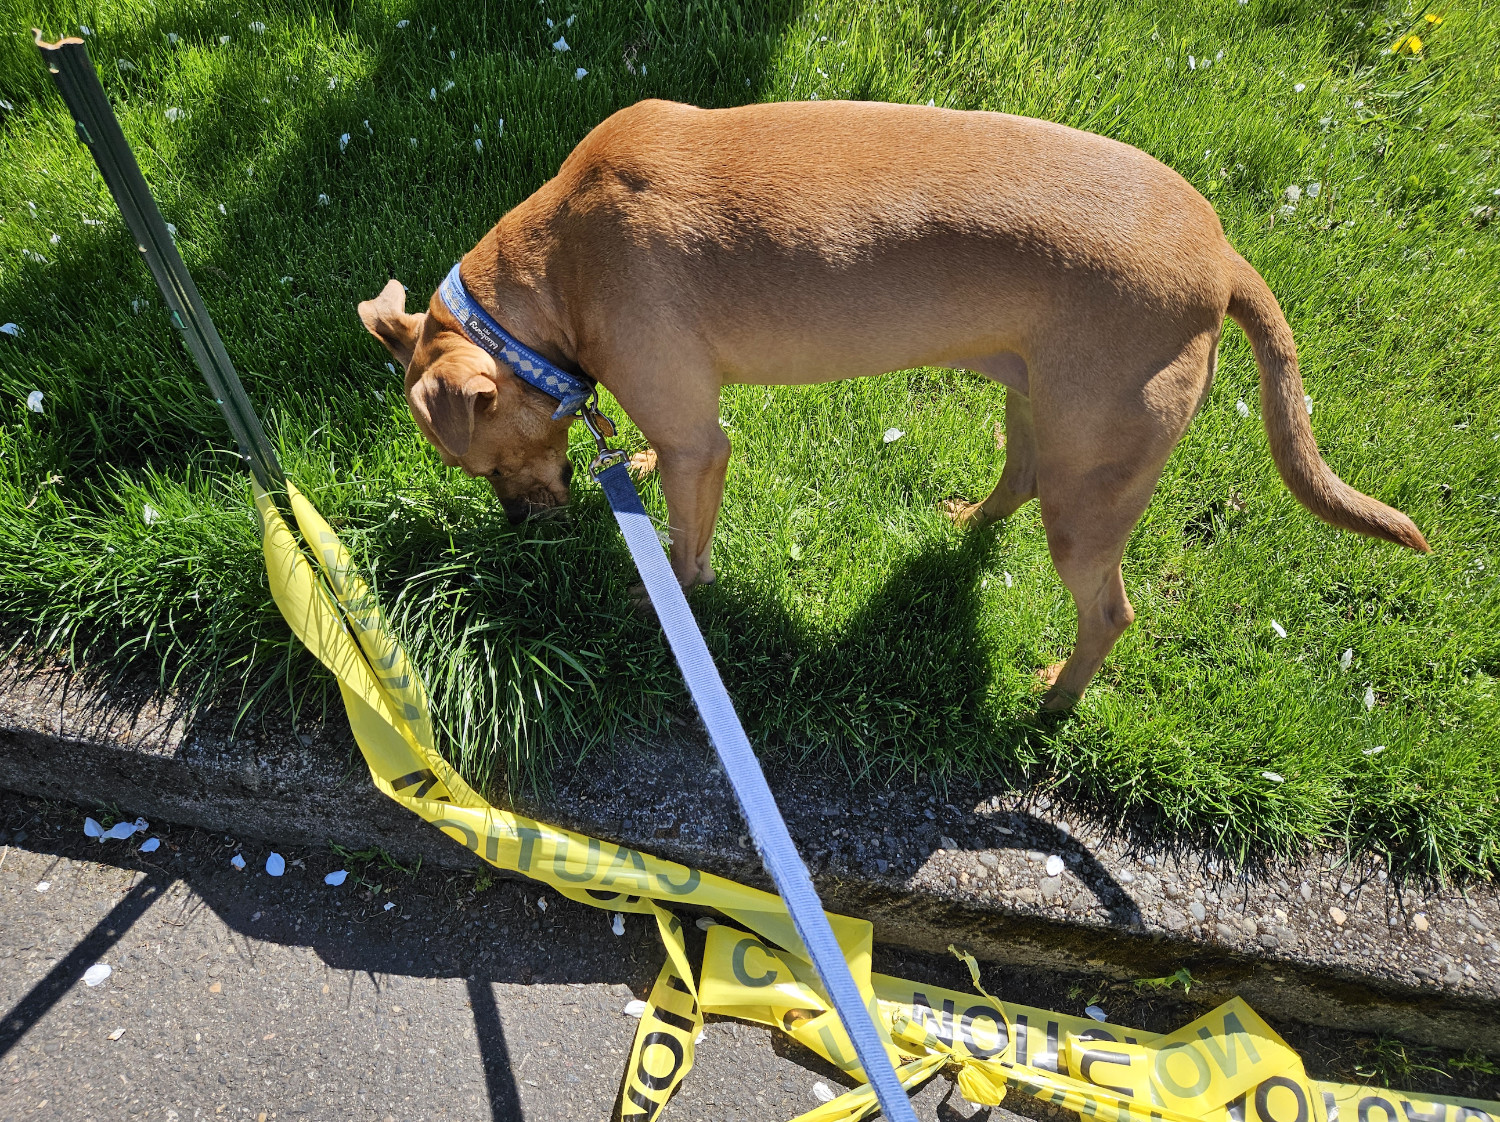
(767, 828)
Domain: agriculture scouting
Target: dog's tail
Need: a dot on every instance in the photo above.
(1283, 406)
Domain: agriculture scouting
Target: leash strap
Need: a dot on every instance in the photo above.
(767, 828)
(94, 120)
(569, 390)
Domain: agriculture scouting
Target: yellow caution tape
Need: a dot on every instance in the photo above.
(1227, 1066)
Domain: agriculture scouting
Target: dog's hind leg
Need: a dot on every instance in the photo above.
(1017, 484)
(1100, 456)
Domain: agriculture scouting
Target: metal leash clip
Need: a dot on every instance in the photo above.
(601, 428)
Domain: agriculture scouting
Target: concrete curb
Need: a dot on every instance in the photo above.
(1320, 942)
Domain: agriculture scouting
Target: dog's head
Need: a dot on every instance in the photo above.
(478, 415)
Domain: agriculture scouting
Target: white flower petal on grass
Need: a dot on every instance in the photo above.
(171, 229)
(500, 128)
(97, 973)
(258, 27)
(34, 401)
(368, 130)
(124, 64)
(222, 211)
(1272, 776)
(174, 114)
(448, 85)
(322, 200)
(1314, 189)
(1241, 408)
(823, 1092)
(389, 906)
(1192, 63)
(1369, 697)
(561, 44)
(452, 55)
(431, 96)
(1346, 659)
(343, 142)
(12, 329)
(336, 878)
(478, 145)
(1280, 631)
(149, 515)
(1054, 865)
(275, 864)
(636, 1009)
(893, 435)
(85, 30)
(43, 885)
(237, 861)
(1098, 1014)
(402, 24)
(570, 21)
(549, 25)
(172, 38)
(1307, 401)
(1375, 751)
(92, 829)
(1299, 87)
(1293, 194)
(617, 925)
(150, 845)
(223, 40)
(1010, 581)
(33, 255)
(580, 74)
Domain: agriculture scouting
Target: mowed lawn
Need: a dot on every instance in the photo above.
(307, 151)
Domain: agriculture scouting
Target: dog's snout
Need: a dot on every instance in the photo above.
(516, 510)
(567, 472)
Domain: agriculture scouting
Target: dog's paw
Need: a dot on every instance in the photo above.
(962, 513)
(1055, 699)
(642, 464)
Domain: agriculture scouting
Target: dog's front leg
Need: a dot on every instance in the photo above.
(692, 479)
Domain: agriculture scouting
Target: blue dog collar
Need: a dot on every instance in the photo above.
(569, 390)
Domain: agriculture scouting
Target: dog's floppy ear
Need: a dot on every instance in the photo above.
(446, 402)
(387, 319)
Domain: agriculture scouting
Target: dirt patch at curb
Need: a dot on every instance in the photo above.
(1021, 882)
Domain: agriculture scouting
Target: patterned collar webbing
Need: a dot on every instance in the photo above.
(570, 390)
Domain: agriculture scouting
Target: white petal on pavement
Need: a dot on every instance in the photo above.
(150, 845)
(1097, 1013)
(43, 885)
(1280, 631)
(92, 829)
(336, 878)
(893, 435)
(119, 831)
(97, 973)
(823, 1092)
(1272, 776)
(617, 925)
(561, 44)
(237, 861)
(636, 1008)
(275, 864)
(1054, 865)
(119, 1032)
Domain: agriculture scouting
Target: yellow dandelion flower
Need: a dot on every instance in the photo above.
(1434, 19)
(1407, 44)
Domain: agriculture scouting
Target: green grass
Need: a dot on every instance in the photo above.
(855, 627)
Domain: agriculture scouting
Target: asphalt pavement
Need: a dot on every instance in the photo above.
(411, 994)
(398, 995)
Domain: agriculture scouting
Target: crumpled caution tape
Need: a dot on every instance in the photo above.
(1227, 1066)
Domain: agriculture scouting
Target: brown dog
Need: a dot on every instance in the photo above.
(680, 249)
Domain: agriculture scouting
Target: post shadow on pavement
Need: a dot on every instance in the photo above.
(61, 978)
(499, 1079)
